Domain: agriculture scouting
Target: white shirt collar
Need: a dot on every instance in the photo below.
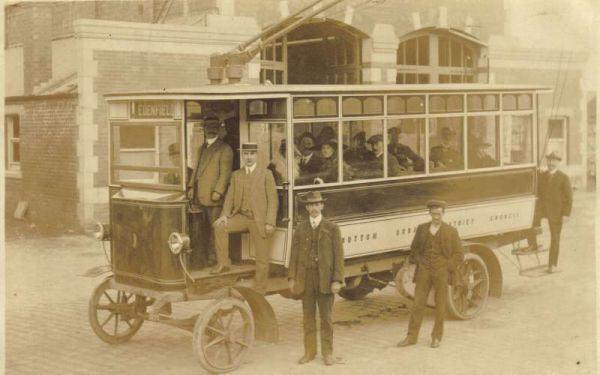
(307, 157)
(250, 169)
(552, 172)
(210, 141)
(314, 222)
(379, 154)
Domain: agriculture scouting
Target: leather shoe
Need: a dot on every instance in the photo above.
(328, 359)
(219, 269)
(306, 358)
(406, 342)
(435, 343)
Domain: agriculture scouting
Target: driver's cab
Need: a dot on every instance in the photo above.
(154, 150)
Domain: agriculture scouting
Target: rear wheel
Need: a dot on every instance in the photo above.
(113, 314)
(469, 294)
(223, 334)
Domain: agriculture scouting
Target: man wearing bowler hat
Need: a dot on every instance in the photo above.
(554, 202)
(317, 273)
(210, 178)
(250, 206)
(437, 252)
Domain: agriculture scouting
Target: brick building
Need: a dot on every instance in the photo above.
(62, 57)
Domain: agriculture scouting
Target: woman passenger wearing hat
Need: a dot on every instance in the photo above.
(316, 272)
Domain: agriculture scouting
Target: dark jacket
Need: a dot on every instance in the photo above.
(211, 173)
(449, 242)
(554, 195)
(406, 157)
(310, 170)
(330, 254)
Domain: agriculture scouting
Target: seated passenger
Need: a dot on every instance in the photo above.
(278, 165)
(407, 158)
(174, 178)
(326, 134)
(357, 155)
(329, 168)
(478, 155)
(310, 162)
(394, 168)
(445, 155)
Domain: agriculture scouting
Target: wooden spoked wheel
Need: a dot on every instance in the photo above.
(113, 313)
(468, 297)
(223, 334)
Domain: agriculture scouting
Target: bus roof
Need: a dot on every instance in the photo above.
(246, 90)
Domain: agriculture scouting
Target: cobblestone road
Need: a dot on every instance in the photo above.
(544, 325)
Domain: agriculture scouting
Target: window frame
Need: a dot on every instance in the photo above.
(12, 168)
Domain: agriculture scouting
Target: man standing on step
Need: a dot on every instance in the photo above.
(250, 206)
(317, 273)
(555, 201)
(437, 252)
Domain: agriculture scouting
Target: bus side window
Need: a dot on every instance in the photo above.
(482, 142)
(363, 156)
(446, 146)
(406, 143)
(316, 153)
(517, 139)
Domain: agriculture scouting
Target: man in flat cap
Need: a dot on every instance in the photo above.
(250, 206)
(554, 202)
(408, 159)
(437, 252)
(317, 273)
(445, 155)
(209, 181)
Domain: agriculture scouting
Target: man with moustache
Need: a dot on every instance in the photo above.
(317, 273)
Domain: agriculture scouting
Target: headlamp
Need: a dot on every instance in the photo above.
(178, 242)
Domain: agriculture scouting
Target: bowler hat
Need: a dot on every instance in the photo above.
(433, 203)
(375, 138)
(554, 155)
(312, 197)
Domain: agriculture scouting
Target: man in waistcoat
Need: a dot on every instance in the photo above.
(317, 273)
(437, 252)
(250, 206)
(555, 201)
(209, 181)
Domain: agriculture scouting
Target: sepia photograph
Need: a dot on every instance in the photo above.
(299, 187)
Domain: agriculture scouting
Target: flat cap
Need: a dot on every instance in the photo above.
(375, 138)
(432, 203)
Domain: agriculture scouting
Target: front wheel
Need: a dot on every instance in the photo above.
(113, 314)
(223, 334)
(469, 294)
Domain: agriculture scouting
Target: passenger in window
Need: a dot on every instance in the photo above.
(310, 163)
(278, 165)
(394, 168)
(358, 154)
(174, 178)
(445, 155)
(479, 156)
(329, 168)
(408, 159)
(325, 135)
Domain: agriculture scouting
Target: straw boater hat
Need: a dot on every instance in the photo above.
(434, 203)
(249, 146)
(553, 155)
(312, 197)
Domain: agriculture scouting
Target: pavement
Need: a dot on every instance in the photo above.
(544, 325)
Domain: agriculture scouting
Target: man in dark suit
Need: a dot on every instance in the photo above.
(250, 206)
(407, 158)
(554, 202)
(316, 272)
(445, 155)
(210, 178)
(310, 163)
(437, 252)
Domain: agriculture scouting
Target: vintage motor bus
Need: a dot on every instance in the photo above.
(473, 145)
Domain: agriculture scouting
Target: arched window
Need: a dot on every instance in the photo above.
(431, 55)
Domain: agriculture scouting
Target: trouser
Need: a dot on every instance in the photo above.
(425, 280)
(241, 224)
(555, 229)
(312, 297)
(205, 251)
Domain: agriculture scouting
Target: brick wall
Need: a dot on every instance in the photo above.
(49, 162)
(13, 189)
(127, 71)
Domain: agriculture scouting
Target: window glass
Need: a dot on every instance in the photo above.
(524, 101)
(445, 103)
(351, 106)
(444, 78)
(396, 105)
(400, 54)
(270, 137)
(415, 104)
(411, 52)
(509, 102)
(479, 103)
(469, 78)
(373, 106)
(363, 141)
(327, 107)
(446, 144)
(406, 144)
(410, 78)
(490, 102)
(456, 78)
(455, 53)
(304, 107)
(423, 50)
(423, 78)
(16, 152)
(444, 51)
(400, 78)
(139, 147)
(482, 142)
(517, 139)
(316, 153)
(468, 56)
